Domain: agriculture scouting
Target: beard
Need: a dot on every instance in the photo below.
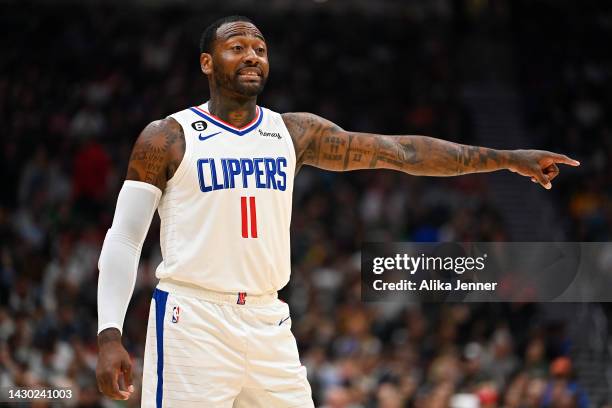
(244, 88)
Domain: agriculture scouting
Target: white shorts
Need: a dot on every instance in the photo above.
(205, 349)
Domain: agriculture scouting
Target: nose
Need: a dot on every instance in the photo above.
(251, 57)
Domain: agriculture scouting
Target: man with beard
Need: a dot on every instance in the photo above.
(221, 177)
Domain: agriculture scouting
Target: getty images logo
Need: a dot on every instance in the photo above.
(275, 135)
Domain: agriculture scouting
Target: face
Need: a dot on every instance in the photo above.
(239, 59)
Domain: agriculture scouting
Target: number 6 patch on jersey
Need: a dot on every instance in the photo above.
(199, 126)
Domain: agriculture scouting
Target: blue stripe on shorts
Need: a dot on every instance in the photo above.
(160, 298)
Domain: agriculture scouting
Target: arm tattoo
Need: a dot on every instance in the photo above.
(301, 126)
(323, 144)
(157, 153)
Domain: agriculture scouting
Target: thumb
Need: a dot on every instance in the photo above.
(542, 179)
(126, 368)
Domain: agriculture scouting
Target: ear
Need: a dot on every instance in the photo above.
(206, 64)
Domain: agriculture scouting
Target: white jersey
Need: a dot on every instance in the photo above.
(226, 212)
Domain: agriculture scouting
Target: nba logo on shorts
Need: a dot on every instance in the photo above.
(176, 311)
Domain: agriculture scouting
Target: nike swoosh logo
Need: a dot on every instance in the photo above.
(284, 320)
(207, 137)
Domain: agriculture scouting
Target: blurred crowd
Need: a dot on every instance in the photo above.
(566, 73)
(79, 82)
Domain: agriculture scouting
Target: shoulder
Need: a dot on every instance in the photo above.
(299, 123)
(304, 124)
(306, 130)
(158, 151)
(162, 128)
(163, 135)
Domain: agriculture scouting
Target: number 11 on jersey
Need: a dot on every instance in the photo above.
(245, 217)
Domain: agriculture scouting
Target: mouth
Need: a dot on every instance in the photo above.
(249, 73)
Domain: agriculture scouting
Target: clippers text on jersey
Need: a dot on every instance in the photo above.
(261, 172)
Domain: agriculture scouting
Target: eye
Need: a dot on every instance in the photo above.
(260, 50)
(237, 47)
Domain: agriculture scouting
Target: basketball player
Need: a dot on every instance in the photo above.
(221, 176)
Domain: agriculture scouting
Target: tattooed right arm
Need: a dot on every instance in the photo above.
(157, 153)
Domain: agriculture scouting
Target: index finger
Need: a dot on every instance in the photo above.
(561, 158)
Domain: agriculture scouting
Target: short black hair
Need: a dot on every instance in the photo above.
(210, 33)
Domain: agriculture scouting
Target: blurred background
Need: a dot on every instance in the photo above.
(80, 80)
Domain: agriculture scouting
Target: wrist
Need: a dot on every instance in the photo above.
(110, 335)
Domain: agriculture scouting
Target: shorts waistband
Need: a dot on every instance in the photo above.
(230, 298)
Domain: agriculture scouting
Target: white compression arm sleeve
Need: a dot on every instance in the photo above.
(118, 262)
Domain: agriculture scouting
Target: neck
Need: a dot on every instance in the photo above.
(237, 111)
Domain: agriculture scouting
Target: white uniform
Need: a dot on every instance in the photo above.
(225, 214)
(218, 336)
